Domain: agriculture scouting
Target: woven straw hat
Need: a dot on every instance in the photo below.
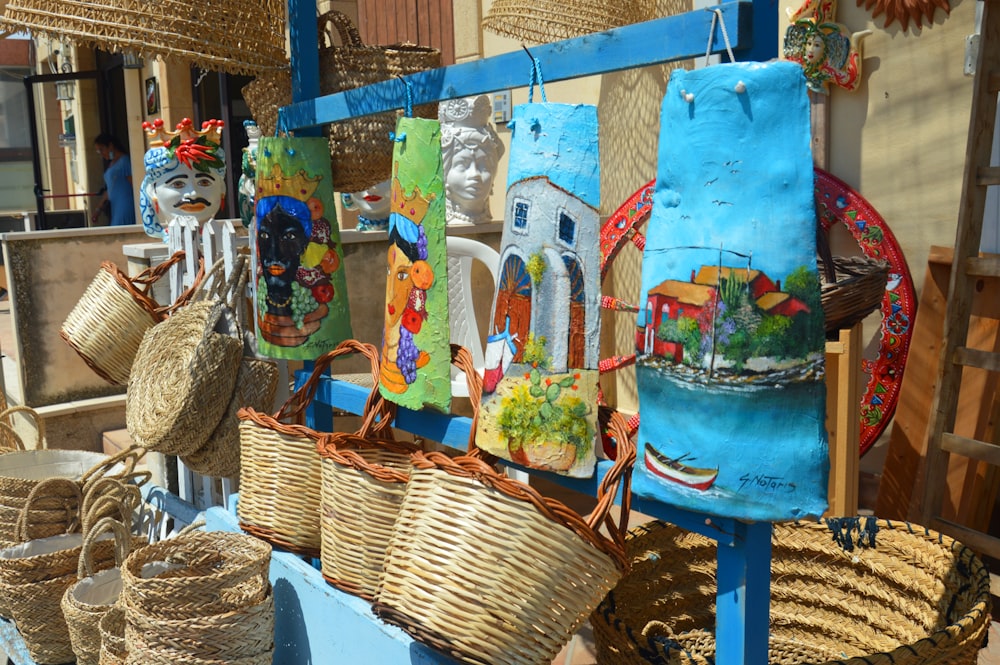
(543, 21)
(236, 36)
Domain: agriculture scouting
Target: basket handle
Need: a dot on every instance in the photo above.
(38, 491)
(129, 457)
(461, 358)
(39, 425)
(294, 407)
(619, 477)
(185, 297)
(215, 285)
(349, 36)
(151, 275)
(85, 568)
(123, 491)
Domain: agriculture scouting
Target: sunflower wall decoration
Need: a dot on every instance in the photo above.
(904, 10)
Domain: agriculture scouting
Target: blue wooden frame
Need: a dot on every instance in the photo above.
(744, 553)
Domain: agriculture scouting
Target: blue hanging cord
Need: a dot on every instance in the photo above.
(407, 109)
(535, 75)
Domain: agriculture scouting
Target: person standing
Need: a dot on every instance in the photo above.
(117, 181)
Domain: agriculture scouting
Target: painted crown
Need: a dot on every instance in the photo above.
(158, 135)
(413, 207)
(298, 186)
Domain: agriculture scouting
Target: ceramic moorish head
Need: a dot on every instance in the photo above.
(372, 205)
(827, 51)
(471, 150)
(185, 174)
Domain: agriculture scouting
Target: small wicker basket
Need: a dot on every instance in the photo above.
(842, 593)
(486, 569)
(855, 292)
(107, 324)
(280, 468)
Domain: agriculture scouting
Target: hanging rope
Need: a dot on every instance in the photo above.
(535, 76)
(718, 19)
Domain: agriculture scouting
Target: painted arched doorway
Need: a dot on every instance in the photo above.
(514, 301)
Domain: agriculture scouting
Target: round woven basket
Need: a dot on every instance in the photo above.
(360, 148)
(857, 291)
(893, 593)
(93, 595)
(197, 574)
(543, 21)
(280, 468)
(256, 385)
(106, 325)
(484, 568)
(112, 628)
(241, 635)
(236, 36)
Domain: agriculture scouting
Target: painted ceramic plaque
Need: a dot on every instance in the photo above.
(539, 405)
(300, 287)
(416, 350)
(730, 341)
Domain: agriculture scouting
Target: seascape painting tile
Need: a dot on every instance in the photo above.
(730, 335)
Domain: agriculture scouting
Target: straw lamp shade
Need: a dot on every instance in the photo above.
(235, 36)
(543, 21)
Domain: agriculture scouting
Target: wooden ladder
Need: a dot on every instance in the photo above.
(967, 268)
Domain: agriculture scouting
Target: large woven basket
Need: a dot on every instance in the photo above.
(903, 595)
(280, 468)
(201, 597)
(360, 148)
(236, 36)
(21, 472)
(856, 291)
(34, 577)
(486, 569)
(107, 324)
(543, 21)
(94, 593)
(185, 370)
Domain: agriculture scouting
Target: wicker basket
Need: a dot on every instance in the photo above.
(280, 472)
(484, 568)
(857, 291)
(543, 21)
(112, 629)
(93, 595)
(10, 440)
(34, 577)
(914, 598)
(201, 597)
(185, 370)
(236, 36)
(108, 322)
(360, 148)
(21, 472)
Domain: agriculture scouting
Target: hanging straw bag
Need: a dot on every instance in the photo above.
(891, 592)
(256, 385)
(108, 322)
(543, 21)
(360, 148)
(265, 95)
(202, 597)
(35, 574)
(486, 569)
(364, 478)
(280, 474)
(186, 367)
(93, 595)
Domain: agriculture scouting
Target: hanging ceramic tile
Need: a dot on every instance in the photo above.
(416, 351)
(301, 290)
(539, 405)
(730, 341)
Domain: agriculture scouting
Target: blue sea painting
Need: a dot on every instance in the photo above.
(730, 334)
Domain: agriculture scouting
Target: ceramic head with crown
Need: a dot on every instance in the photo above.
(471, 151)
(185, 174)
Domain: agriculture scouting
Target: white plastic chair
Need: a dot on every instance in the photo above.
(462, 252)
